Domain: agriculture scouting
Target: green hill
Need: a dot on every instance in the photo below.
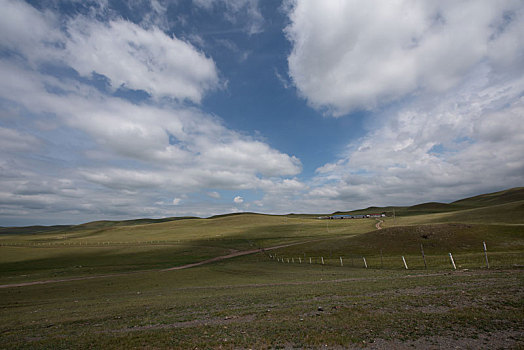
(495, 198)
(406, 240)
(93, 225)
(467, 209)
(485, 200)
(34, 229)
(508, 213)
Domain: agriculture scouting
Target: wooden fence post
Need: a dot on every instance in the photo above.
(322, 258)
(404, 260)
(452, 261)
(486, 254)
(341, 263)
(423, 256)
(365, 262)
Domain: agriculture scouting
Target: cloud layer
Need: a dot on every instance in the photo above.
(458, 145)
(351, 55)
(119, 156)
(454, 72)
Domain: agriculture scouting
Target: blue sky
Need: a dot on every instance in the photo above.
(155, 108)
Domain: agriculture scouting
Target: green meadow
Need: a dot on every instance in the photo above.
(105, 285)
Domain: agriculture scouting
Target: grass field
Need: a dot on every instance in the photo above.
(109, 289)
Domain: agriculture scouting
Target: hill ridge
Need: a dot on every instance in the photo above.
(486, 200)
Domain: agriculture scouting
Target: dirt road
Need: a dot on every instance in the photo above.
(187, 266)
(378, 224)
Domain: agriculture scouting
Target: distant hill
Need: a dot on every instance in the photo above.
(503, 206)
(102, 224)
(34, 229)
(508, 213)
(495, 198)
(512, 195)
(233, 214)
(431, 206)
(134, 222)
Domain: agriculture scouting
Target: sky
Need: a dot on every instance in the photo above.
(115, 110)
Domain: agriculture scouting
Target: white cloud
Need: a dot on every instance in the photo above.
(239, 153)
(465, 142)
(13, 140)
(214, 194)
(128, 55)
(238, 200)
(350, 55)
(182, 147)
(177, 201)
(140, 59)
(35, 41)
(284, 81)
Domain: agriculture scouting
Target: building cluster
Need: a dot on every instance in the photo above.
(362, 216)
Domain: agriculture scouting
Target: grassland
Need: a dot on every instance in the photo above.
(114, 293)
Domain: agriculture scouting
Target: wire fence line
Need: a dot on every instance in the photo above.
(384, 260)
(87, 243)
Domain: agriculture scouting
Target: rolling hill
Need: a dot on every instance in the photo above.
(499, 207)
(513, 195)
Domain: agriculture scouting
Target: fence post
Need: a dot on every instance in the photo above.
(404, 260)
(423, 256)
(365, 262)
(310, 260)
(486, 254)
(322, 258)
(341, 263)
(452, 261)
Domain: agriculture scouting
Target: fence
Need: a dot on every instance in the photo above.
(382, 260)
(77, 243)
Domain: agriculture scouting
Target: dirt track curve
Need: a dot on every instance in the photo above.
(232, 255)
(187, 266)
